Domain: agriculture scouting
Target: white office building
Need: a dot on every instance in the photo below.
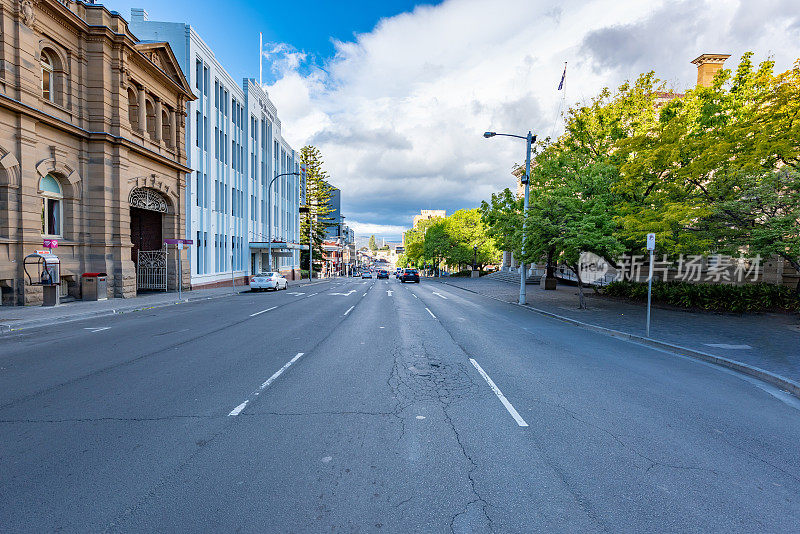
(234, 145)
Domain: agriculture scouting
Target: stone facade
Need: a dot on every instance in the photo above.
(91, 121)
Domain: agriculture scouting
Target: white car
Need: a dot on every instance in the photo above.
(264, 281)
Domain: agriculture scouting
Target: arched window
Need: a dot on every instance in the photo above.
(50, 190)
(133, 108)
(48, 76)
(150, 111)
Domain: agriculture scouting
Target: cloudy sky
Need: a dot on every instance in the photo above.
(397, 93)
(398, 110)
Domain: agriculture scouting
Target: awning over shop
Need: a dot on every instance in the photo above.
(277, 246)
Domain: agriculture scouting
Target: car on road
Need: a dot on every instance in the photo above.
(383, 273)
(264, 281)
(410, 275)
(366, 274)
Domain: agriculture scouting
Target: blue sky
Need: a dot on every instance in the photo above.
(231, 27)
(396, 93)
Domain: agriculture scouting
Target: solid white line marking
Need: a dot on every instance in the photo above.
(432, 315)
(278, 373)
(236, 411)
(364, 295)
(97, 328)
(435, 293)
(262, 311)
(414, 295)
(517, 417)
(349, 310)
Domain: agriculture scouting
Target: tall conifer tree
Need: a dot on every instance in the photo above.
(318, 194)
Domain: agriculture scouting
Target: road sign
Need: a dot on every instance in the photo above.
(50, 243)
(651, 245)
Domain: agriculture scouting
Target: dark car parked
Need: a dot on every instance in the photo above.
(409, 275)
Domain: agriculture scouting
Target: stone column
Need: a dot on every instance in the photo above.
(159, 121)
(142, 111)
(173, 128)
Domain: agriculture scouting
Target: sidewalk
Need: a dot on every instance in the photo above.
(13, 318)
(770, 341)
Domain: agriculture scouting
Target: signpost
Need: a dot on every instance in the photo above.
(651, 245)
(179, 243)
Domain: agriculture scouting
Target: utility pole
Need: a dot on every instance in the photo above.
(651, 245)
(523, 275)
(529, 140)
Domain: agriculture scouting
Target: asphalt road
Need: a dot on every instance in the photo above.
(376, 406)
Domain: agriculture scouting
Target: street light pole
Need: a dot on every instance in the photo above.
(529, 139)
(269, 214)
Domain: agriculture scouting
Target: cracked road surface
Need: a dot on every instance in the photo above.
(177, 419)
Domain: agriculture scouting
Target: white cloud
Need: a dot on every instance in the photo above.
(379, 230)
(398, 113)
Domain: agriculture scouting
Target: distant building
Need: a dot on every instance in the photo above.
(424, 215)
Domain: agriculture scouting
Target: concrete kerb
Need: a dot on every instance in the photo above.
(774, 379)
(6, 328)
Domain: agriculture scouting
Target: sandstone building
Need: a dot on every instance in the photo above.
(91, 147)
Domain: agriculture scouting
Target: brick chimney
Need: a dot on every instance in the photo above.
(707, 66)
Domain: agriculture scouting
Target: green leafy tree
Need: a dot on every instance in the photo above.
(415, 243)
(706, 178)
(502, 215)
(468, 240)
(373, 246)
(318, 194)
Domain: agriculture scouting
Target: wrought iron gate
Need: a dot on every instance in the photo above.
(151, 269)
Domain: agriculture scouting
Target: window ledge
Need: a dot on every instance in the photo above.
(56, 105)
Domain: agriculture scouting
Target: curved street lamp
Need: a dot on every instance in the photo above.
(530, 139)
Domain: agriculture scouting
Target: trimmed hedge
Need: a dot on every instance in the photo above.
(467, 273)
(711, 297)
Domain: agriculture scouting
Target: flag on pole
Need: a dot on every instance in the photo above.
(564, 75)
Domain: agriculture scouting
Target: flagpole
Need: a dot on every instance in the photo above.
(562, 86)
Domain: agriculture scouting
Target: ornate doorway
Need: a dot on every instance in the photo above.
(148, 252)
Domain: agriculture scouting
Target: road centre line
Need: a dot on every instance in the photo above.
(412, 294)
(349, 310)
(517, 417)
(262, 311)
(432, 315)
(364, 295)
(236, 411)
(435, 293)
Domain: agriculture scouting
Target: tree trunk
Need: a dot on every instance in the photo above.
(581, 296)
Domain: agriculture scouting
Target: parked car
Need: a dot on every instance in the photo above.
(366, 274)
(410, 275)
(264, 281)
(383, 273)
